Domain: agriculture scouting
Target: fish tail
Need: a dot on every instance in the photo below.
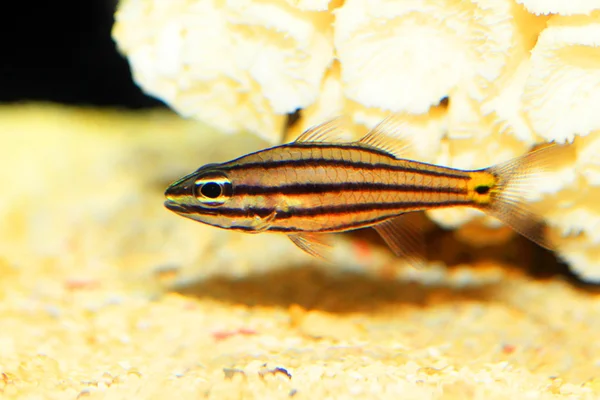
(504, 191)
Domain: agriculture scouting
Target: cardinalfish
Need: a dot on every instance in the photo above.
(318, 185)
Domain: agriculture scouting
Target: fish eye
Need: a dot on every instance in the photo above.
(213, 189)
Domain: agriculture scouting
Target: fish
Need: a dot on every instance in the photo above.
(320, 184)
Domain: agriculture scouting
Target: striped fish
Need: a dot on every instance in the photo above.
(317, 185)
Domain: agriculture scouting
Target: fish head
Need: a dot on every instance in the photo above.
(208, 196)
(201, 196)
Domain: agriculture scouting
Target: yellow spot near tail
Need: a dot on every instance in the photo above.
(482, 186)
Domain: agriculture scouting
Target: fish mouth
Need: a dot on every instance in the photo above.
(186, 211)
(173, 206)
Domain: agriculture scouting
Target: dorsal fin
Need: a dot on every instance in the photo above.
(328, 132)
(387, 136)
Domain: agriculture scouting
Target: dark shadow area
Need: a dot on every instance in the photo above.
(63, 52)
(315, 288)
(518, 252)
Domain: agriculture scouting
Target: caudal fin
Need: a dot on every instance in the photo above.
(516, 179)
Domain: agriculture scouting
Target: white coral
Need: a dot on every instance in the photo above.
(407, 55)
(563, 87)
(312, 5)
(562, 7)
(237, 64)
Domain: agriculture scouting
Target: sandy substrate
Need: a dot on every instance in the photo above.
(105, 294)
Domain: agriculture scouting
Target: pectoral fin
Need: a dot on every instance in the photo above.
(405, 238)
(261, 224)
(312, 243)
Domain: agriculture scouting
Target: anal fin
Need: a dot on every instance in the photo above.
(405, 238)
(313, 244)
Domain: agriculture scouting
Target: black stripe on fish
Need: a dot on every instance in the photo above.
(316, 188)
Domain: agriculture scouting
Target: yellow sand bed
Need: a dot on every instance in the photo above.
(105, 294)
